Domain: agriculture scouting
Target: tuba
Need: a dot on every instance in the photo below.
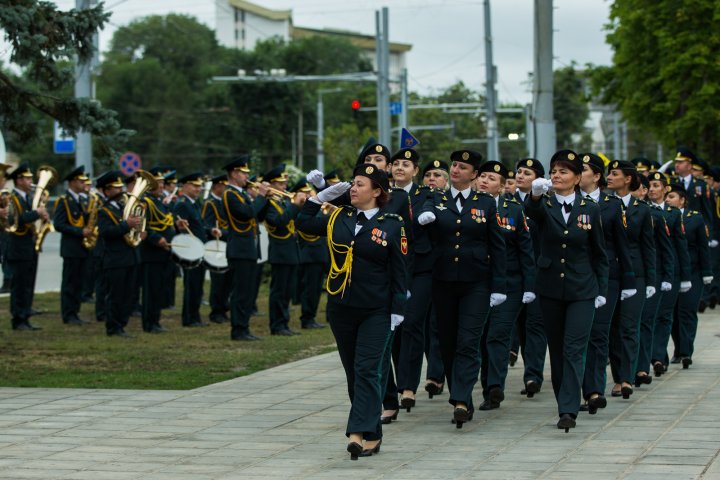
(134, 207)
(47, 177)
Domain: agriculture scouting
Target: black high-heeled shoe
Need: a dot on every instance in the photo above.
(460, 416)
(368, 452)
(658, 369)
(496, 395)
(686, 362)
(407, 403)
(596, 402)
(355, 450)
(566, 422)
(626, 392)
(531, 388)
(433, 389)
(388, 420)
(642, 380)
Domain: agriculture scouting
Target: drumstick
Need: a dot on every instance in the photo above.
(217, 239)
(188, 226)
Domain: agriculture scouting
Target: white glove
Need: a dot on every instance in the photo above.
(540, 186)
(408, 295)
(649, 291)
(316, 178)
(707, 280)
(685, 286)
(497, 298)
(395, 321)
(599, 301)
(627, 293)
(528, 297)
(333, 192)
(426, 217)
(713, 243)
(665, 286)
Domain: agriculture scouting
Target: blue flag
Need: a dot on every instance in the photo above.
(407, 140)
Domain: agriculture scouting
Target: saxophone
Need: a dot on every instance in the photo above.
(90, 241)
(4, 203)
(136, 208)
(47, 177)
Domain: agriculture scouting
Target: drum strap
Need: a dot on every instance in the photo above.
(345, 271)
(19, 209)
(222, 223)
(251, 224)
(75, 222)
(111, 215)
(158, 221)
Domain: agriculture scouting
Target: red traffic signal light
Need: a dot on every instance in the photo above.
(355, 104)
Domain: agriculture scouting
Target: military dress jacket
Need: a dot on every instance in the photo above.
(313, 248)
(190, 210)
(160, 224)
(572, 265)
(280, 218)
(518, 244)
(698, 198)
(469, 244)
(640, 236)
(377, 277)
(664, 251)
(69, 219)
(21, 243)
(617, 246)
(243, 215)
(674, 221)
(112, 228)
(213, 214)
(421, 245)
(534, 232)
(697, 235)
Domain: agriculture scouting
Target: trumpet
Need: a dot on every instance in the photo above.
(47, 177)
(273, 191)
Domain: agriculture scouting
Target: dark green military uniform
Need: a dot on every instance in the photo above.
(119, 260)
(359, 311)
(69, 219)
(213, 213)
(160, 224)
(193, 278)
(21, 255)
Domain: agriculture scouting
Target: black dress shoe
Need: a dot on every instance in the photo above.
(513, 358)
(488, 405)
(626, 392)
(388, 420)
(313, 325)
(433, 389)
(283, 333)
(566, 422)
(368, 452)
(531, 388)
(26, 327)
(686, 362)
(594, 403)
(355, 449)
(642, 380)
(496, 395)
(407, 403)
(245, 337)
(461, 415)
(658, 369)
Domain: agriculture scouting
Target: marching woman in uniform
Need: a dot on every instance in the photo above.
(572, 275)
(468, 275)
(367, 291)
(621, 280)
(497, 337)
(436, 175)
(623, 179)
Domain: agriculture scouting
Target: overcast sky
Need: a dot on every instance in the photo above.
(446, 35)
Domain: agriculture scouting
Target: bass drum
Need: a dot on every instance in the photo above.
(215, 257)
(187, 250)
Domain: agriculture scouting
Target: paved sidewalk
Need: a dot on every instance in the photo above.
(288, 422)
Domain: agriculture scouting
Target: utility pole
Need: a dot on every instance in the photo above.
(543, 115)
(404, 102)
(382, 52)
(84, 89)
(616, 136)
(321, 127)
(301, 134)
(493, 152)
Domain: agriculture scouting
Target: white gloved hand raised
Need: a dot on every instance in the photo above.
(316, 177)
(528, 297)
(649, 291)
(395, 321)
(497, 298)
(540, 186)
(685, 286)
(665, 286)
(600, 301)
(713, 243)
(426, 217)
(627, 293)
(708, 280)
(333, 192)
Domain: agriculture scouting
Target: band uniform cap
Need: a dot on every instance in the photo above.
(570, 157)
(112, 178)
(239, 163)
(219, 179)
(533, 164)
(623, 165)
(684, 154)
(22, 170)
(470, 157)
(715, 173)
(331, 176)
(654, 165)
(511, 174)
(277, 174)
(374, 149)
(375, 174)
(196, 178)
(301, 186)
(641, 164)
(679, 189)
(494, 166)
(436, 165)
(406, 154)
(76, 174)
(593, 161)
(659, 177)
(700, 165)
(158, 173)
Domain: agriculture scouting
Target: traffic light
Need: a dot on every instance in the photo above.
(355, 104)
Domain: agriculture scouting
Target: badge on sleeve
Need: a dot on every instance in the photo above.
(403, 241)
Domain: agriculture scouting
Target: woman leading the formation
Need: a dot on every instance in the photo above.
(572, 274)
(367, 291)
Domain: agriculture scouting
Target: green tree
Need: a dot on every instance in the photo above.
(664, 76)
(570, 104)
(43, 43)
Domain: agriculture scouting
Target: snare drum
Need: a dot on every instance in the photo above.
(215, 257)
(187, 250)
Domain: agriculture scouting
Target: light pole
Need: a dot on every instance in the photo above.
(321, 126)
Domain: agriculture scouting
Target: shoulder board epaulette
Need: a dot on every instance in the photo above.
(640, 200)
(589, 200)
(671, 209)
(613, 198)
(390, 215)
(421, 188)
(484, 194)
(348, 210)
(693, 212)
(395, 189)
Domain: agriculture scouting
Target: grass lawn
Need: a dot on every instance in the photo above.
(84, 357)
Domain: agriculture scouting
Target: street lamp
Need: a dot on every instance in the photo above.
(321, 126)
